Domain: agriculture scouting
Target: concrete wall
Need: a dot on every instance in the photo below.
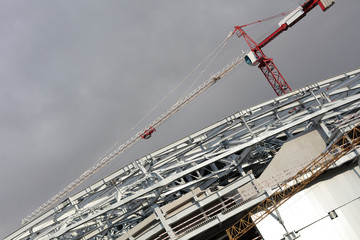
(294, 153)
(292, 157)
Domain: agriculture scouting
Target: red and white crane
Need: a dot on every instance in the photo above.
(257, 57)
(254, 57)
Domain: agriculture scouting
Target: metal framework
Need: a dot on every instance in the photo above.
(203, 171)
(266, 65)
(319, 165)
(144, 134)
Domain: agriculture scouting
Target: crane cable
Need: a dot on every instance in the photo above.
(219, 48)
(177, 107)
(181, 103)
(268, 18)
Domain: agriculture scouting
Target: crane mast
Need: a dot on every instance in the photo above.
(257, 57)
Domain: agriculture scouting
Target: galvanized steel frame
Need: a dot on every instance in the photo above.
(117, 203)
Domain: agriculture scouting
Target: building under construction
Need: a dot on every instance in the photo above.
(199, 186)
(284, 169)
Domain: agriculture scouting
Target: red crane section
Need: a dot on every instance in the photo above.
(147, 133)
(257, 57)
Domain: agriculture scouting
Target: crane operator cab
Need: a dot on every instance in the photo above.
(251, 59)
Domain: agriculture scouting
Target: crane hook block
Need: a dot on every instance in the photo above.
(147, 134)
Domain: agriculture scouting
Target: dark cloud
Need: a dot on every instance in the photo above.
(77, 75)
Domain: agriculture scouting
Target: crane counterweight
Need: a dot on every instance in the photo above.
(326, 4)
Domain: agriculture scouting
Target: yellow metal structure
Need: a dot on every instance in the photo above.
(286, 190)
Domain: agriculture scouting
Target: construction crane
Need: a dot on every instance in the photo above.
(345, 144)
(257, 57)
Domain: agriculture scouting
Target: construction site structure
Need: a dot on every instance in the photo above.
(346, 143)
(255, 57)
(201, 185)
(144, 134)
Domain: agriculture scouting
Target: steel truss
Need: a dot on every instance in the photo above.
(347, 143)
(212, 159)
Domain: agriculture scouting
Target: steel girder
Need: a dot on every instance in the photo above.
(208, 158)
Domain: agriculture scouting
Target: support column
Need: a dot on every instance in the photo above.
(325, 130)
(247, 126)
(163, 221)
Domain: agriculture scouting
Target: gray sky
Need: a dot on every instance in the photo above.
(77, 75)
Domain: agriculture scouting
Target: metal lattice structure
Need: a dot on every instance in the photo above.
(348, 142)
(144, 134)
(197, 183)
(257, 57)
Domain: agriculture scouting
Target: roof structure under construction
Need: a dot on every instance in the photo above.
(199, 186)
(287, 168)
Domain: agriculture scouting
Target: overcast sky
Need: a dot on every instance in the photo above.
(77, 75)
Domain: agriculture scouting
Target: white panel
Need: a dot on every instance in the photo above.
(291, 17)
(316, 231)
(327, 3)
(294, 153)
(336, 191)
(270, 228)
(351, 213)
